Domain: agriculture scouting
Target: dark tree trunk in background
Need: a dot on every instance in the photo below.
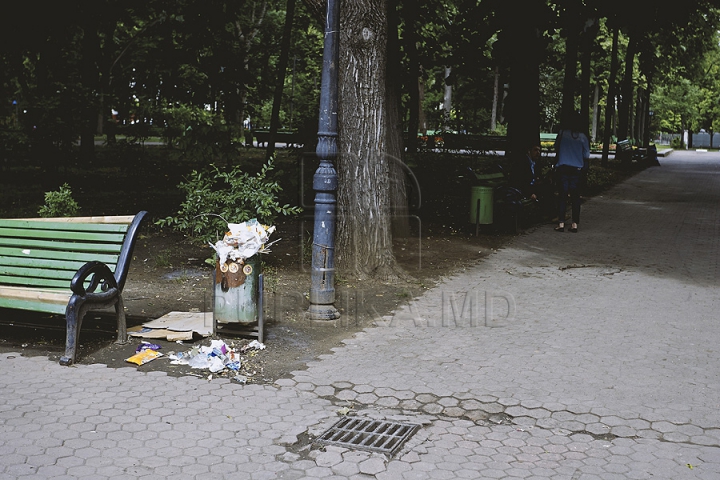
(413, 82)
(571, 51)
(588, 40)
(395, 147)
(610, 104)
(626, 92)
(89, 75)
(523, 102)
(282, 70)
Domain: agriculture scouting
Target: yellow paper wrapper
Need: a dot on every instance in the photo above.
(144, 357)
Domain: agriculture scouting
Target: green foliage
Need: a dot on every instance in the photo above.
(207, 137)
(59, 203)
(234, 195)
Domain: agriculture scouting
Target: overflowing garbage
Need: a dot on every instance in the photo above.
(218, 358)
(242, 241)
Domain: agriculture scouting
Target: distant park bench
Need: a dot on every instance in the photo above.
(67, 266)
(474, 143)
(290, 139)
(627, 154)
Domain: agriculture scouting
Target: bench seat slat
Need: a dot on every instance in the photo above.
(48, 301)
(35, 306)
(52, 295)
(25, 233)
(64, 246)
(23, 254)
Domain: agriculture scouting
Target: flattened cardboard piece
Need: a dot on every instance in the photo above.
(176, 326)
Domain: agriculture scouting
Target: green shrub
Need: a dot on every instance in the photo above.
(59, 203)
(215, 197)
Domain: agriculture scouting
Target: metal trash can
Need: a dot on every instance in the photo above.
(237, 291)
(485, 197)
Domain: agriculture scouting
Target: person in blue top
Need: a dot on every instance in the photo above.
(573, 152)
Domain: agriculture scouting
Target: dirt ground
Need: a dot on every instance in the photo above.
(168, 274)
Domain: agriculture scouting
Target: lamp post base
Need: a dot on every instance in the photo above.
(322, 312)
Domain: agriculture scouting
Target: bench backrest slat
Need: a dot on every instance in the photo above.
(105, 237)
(20, 281)
(64, 246)
(46, 253)
(25, 256)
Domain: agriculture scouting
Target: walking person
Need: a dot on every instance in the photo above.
(573, 153)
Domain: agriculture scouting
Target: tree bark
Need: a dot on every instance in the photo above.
(364, 238)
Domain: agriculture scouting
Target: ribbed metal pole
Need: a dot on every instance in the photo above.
(325, 181)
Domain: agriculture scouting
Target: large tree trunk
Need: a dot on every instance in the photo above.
(364, 239)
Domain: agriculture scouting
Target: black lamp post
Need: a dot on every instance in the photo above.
(325, 181)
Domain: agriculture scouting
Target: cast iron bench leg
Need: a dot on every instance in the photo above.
(122, 337)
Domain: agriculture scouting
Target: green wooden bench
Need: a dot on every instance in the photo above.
(67, 266)
(626, 153)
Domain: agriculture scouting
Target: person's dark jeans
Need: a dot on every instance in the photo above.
(569, 183)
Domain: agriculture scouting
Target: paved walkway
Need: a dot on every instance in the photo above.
(572, 356)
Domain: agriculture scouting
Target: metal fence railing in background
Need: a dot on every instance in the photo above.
(699, 140)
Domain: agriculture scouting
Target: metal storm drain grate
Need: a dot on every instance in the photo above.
(372, 435)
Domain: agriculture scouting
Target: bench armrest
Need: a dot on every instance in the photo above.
(101, 276)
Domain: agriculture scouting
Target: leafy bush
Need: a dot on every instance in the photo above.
(59, 203)
(215, 197)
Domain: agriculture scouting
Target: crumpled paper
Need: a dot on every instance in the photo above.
(243, 240)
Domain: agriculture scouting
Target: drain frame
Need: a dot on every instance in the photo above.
(377, 436)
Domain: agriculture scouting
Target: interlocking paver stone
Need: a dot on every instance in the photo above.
(606, 370)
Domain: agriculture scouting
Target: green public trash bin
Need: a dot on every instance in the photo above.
(485, 196)
(237, 291)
